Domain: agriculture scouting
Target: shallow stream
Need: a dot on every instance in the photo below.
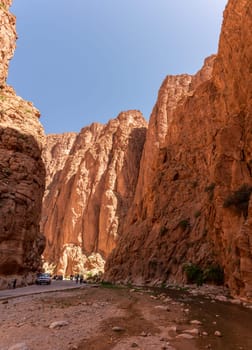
(233, 321)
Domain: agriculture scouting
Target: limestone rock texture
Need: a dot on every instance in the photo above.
(192, 202)
(90, 188)
(22, 172)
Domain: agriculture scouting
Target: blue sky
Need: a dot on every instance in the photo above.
(85, 61)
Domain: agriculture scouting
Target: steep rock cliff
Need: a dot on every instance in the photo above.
(55, 153)
(192, 203)
(21, 171)
(172, 94)
(92, 189)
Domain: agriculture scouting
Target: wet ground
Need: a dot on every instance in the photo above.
(233, 321)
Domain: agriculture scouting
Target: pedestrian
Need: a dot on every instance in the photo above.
(14, 283)
(77, 278)
(81, 279)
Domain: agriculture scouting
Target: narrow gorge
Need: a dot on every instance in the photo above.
(147, 200)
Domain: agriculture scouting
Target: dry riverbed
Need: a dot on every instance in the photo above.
(105, 317)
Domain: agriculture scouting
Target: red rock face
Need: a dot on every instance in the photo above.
(90, 191)
(55, 153)
(190, 205)
(22, 172)
(8, 38)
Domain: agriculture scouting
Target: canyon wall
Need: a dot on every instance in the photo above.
(22, 172)
(91, 184)
(192, 203)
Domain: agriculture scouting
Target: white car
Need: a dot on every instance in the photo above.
(43, 278)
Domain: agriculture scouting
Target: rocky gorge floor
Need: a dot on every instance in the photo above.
(119, 318)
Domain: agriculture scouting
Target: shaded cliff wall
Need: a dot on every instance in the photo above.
(90, 195)
(22, 171)
(192, 203)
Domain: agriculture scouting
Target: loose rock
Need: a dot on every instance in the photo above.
(193, 331)
(196, 322)
(185, 336)
(118, 329)
(58, 324)
(161, 307)
(221, 298)
(143, 334)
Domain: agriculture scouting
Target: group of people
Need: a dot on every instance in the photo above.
(78, 278)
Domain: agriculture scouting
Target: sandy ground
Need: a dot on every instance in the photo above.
(95, 318)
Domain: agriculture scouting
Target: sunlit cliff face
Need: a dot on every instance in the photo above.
(203, 153)
(91, 183)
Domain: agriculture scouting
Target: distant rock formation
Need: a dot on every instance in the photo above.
(91, 180)
(22, 172)
(56, 150)
(192, 202)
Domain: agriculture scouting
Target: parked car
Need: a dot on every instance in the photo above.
(43, 278)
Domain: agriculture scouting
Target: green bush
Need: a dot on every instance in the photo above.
(197, 213)
(210, 190)
(6, 172)
(110, 285)
(194, 274)
(194, 184)
(184, 224)
(239, 199)
(163, 230)
(214, 274)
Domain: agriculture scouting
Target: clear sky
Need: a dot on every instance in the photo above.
(85, 61)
